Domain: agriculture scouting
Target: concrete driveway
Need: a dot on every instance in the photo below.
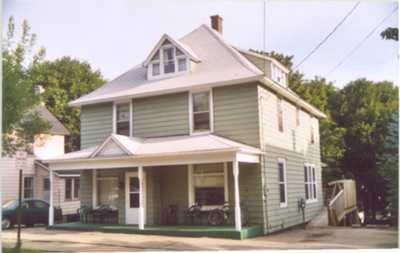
(310, 238)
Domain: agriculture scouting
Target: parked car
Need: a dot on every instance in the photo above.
(34, 211)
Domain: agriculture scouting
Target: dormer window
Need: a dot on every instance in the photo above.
(278, 75)
(169, 58)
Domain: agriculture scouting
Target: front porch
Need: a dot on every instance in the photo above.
(140, 179)
(182, 230)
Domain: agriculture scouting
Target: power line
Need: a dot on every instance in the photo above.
(328, 36)
(362, 41)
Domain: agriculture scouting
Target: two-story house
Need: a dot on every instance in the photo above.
(35, 173)
(199, 121)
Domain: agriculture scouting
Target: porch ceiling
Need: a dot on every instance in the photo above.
(119, 151)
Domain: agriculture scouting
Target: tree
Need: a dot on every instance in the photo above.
(64, 80)
(365, 110)
(388, 164)
(21, 122)
(390, 33)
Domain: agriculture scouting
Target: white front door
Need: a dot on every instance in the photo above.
(132, 197)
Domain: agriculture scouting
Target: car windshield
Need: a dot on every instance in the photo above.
(10, 204)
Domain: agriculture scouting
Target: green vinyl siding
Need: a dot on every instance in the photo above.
(96, 124)
(165, 115)
(283, 217)
(236, 113)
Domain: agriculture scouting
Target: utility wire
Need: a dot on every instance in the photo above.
(363, 40)
(328, 36)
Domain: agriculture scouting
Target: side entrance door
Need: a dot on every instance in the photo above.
(132, 197)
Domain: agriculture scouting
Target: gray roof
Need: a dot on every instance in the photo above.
(219, 64)
(57, 128)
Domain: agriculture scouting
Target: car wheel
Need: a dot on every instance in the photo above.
(5, 223)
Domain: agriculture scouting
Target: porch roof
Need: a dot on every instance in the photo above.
(158, 151)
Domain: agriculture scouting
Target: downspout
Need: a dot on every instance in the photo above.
(262, 165)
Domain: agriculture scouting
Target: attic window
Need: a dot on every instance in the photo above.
(168, 60)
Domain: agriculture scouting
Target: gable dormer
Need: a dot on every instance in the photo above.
(169, 58)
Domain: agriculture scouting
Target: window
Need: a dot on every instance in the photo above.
(209, 185)
(71, 188)
(278, 75)
(167, 60)
(123, 119)
(28, 187)
(310, 184)
(107, 191)
(282, 182)
(46, 184)
(201, 111)
(297, 116)
(76, 188)
(280, 114)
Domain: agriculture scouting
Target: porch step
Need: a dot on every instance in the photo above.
(186, 231)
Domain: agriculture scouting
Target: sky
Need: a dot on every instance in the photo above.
(114, 36)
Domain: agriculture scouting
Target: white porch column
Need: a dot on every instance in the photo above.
(94, 188)
(51, 206)
(190, 185)
(238, 220)
(141, 198)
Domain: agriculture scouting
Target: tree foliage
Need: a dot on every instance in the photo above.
(20, 120)
(64, 80)
(390, 33)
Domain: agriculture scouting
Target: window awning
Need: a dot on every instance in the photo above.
(119, 151)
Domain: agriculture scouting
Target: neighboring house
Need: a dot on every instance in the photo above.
(199, 121)
(35, 183)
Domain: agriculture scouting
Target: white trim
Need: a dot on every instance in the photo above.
(114, 122)
(192, 195)
(129, 174)
(226, 184)
(142, 207)
(311, 183)
(238, 216)
(94, 188)
(51, 207)
(247, 158)
(110, 138)
(115, 114)
(173, 42)
(283, 161)
(210, 111)
(134, 161)
(190, 185)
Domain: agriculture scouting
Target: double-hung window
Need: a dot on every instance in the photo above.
(201, 111)
(282, 182)
(28, 187)
(72, 188)
(123, 119)
(108, 191)
(310, 182)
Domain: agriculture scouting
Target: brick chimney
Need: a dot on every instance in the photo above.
(216, 23)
